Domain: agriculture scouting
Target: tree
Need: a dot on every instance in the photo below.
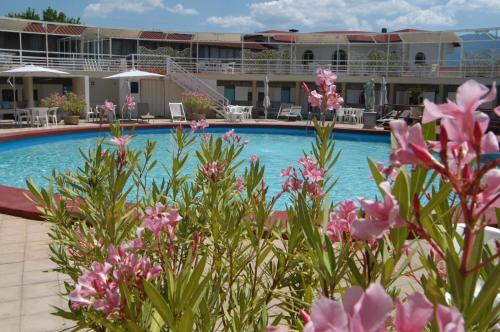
(48, 15)
(52, 15)
(28, 14)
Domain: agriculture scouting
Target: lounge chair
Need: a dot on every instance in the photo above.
(291, 112)
(393, 115)
(143, 112)
(177, 112)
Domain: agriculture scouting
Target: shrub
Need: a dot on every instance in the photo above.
(196, 103)
(73, 104)
(198, 250)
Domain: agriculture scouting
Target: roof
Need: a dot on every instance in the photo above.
(73, 30)
(153, 35)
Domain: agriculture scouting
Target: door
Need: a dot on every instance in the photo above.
(285, 95)
(230, 93)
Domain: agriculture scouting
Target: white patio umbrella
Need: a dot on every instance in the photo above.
(30, 71)
(383, 93)
(267, 101)
(134, 74)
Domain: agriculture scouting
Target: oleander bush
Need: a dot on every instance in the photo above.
(201, 250)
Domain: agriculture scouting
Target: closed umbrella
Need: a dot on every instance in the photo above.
(30, 71)
(383, 94)
(267, 101)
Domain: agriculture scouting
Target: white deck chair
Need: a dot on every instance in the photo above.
(177, 112)
(339, 115)
(52, 116)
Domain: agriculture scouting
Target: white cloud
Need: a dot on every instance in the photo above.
(180, 9)
(103, 8)
(361, 15)
(240, 22)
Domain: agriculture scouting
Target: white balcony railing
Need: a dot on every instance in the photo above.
(156, 63)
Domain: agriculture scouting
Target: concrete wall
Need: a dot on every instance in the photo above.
(101, 89)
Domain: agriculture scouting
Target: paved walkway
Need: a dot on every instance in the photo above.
(27, 287)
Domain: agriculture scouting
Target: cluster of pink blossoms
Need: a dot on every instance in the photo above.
(213, 170)
(380, 216)
(231, 138)
(340, 221)
(130, 102)
(311, 175)
(121, 153)
(108, 106)
(99, 287)
(462, 139)
(327, 98)
(370, 310)
(157, 220)
(198, 125)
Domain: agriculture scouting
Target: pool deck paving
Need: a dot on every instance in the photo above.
(28, 287)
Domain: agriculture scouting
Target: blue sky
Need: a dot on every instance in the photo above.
(258, 15)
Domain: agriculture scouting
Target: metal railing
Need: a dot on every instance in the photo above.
(157, 63)
(188, 81)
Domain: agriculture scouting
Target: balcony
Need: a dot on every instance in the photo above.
(81, 62)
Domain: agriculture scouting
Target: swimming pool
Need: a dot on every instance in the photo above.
(276, 148)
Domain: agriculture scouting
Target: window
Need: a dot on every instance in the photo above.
(134, 87)
(339, 57)
(307, 57)
(419, 58)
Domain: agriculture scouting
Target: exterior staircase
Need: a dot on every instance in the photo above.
(188, 81)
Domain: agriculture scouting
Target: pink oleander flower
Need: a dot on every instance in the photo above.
(325, 77)
(412, 148)
(198, 125)
(315, 98)
(488, 199)
(254, 158)
(414, 315)
(379, 216)
(207, 136)
(130, 102)
(390, 172)
(340, 221)
(121, 141)
(239, 185)
(286, 171)
(157, 220)
(228, 135)
(109, 106)
(449, 319)
(459, 118)
(360, 312)
(213, 170)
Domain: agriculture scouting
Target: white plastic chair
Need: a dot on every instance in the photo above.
(339, 115)
(247, 112)
(177, 112)
(92, 114)
(52, 116)
(40, 116)
(21, 116)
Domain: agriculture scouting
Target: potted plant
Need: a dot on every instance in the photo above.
(196, 105)
(72, 107)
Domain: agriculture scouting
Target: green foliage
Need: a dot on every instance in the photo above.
(196, 103)
(227, 267)
(48, 15)
(73, 104)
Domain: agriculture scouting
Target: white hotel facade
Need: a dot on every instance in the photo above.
(230, 68)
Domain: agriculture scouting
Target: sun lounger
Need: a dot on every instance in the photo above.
(177, 113)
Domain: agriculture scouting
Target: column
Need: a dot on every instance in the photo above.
(28, 92)
(255, 95)
(81, 87)
(441, 97)
(297, 93)
(391, 93)
(343, 87)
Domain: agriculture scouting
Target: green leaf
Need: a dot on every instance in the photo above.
(484, 300)
(159, 303)
(376, 174)
(187, 321)
(437, 198)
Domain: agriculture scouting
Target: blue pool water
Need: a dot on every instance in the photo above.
(36, 158)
